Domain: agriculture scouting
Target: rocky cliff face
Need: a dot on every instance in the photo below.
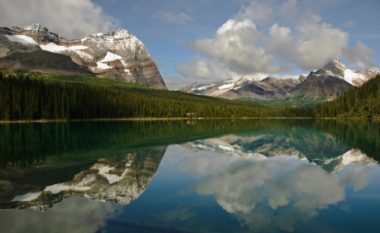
(117, 54)
(325, 87)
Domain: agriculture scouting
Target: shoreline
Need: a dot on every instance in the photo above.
(46, 121)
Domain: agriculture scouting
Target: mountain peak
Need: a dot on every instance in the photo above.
(121, 33)
(36, 27)
(336, 67)
(116, 54)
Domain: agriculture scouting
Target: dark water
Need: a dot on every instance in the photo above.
(201, 176)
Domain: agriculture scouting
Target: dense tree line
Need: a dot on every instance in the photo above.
(25, 144)
(363, 102)
(24, 97)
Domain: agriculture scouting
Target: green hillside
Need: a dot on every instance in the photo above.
(362, 102)
(33, 95)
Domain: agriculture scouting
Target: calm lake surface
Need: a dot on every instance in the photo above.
(190, 176)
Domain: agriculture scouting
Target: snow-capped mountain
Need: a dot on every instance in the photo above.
(117, 54)
(258, 86)
(355, 78)
(328, 82)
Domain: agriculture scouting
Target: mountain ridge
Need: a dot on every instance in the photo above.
(117, 54)
(328, 83)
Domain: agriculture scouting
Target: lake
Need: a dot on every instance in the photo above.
(190, 176)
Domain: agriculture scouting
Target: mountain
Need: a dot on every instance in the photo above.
(327, 83)
(320, 86)
(248, 87)
(117, 54)
(362, 102)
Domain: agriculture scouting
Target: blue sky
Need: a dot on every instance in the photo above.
(169, 42)
(208, 40)
(169, 28)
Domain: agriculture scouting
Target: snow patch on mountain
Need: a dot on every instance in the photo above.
(111, 57)
(27, 196)
(227, 86)
(202, 88)
(352, 77)
(355, 156)
(102, 66)
(22, 39)
(355, 78)
(254, 77)
(105, 170)
(57, 188)
(54, 48)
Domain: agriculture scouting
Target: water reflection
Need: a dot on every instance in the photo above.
(119, 179)
(270, 181)
(274, 192)
(76, 214)
(315, 147)
(253, 176)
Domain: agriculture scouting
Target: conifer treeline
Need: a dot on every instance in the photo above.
(363, 102)
(26, 98)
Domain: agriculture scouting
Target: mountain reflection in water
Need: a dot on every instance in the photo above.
(233, 177)
(119, 179)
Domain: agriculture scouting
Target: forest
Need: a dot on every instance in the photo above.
(36, 96)
(362, 102)
(32, 95)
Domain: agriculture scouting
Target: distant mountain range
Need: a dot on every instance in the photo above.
(117, 54)
(326, 83)
(122, 56)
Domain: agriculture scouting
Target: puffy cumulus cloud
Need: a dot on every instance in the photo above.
(319, 42)
(265, 37)
(70, 18)
(360, 55)
(236, 45)
(205, 70)
(310, 46)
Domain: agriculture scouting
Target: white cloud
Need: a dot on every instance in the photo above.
(319, 42)
(256, 10)
(360, 55)
(205, 70)
(265, 37)
(70, 18)
(176, 82)
(236, 45)
(310, 46)
(177, 18)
